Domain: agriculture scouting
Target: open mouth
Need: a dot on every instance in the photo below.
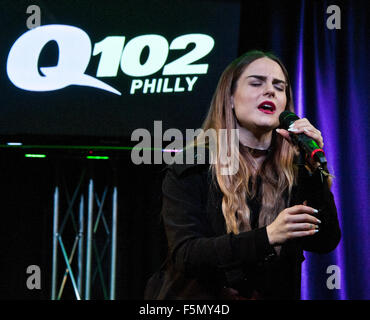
(267, 107)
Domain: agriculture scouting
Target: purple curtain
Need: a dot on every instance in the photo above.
(329, 69)
(331, 83)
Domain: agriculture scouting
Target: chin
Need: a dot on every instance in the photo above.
(267, 125)
(260, 124)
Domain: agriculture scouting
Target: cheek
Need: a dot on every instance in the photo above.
(282, 102)
(247, 97)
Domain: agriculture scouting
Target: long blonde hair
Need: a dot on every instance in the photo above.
(277, 172)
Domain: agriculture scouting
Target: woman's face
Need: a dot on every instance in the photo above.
(260, 96)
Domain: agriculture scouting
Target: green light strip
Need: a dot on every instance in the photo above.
(30, 155)
(98, 157)
(74, 147)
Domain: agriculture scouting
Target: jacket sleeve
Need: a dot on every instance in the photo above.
(194, 247)
(318, 195)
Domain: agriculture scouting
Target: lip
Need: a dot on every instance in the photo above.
(270, 103)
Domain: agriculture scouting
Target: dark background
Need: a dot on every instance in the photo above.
(88, 116)
(87, 113)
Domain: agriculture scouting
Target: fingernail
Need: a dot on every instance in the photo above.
(315, 210)
(291, 125)
(316, 230)
(292, 129)
(319, 221)
(316, 227)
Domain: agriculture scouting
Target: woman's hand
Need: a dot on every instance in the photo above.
(293, 222)
(303, 126)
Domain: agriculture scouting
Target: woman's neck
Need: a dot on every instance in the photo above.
(252, 140)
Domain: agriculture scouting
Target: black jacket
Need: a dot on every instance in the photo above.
(203, 259)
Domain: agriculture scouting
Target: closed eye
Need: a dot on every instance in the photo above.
(257, 84)
(279, 88)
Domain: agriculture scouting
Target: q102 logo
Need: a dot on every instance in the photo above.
(75, 52)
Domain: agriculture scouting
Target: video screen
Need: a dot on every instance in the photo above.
(98, 69)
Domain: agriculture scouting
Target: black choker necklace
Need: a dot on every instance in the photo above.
(256, 151)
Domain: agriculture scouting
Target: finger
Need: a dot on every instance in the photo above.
(303, 227)
(298, 234)
(303, 218)
(299, 122)
(284, 133)
(309, 130)
(314, 134)
(300, 208)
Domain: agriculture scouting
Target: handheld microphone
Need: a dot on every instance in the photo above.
(304, 142)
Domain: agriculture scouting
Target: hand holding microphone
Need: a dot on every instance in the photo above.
(302, 133)
(298, 221)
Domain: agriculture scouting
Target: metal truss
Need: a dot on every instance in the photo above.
(81, 272)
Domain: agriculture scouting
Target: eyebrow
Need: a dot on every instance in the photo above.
(263, 78)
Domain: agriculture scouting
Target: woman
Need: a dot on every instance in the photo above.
(242, 236)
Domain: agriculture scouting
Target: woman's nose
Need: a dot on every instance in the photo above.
(269, 91)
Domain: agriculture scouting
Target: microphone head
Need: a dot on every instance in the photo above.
(286, 118)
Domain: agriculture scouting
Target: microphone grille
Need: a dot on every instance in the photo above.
(286, 118)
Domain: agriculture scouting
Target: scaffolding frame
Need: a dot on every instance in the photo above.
(84, 239)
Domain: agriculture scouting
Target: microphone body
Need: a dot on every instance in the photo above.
(304, 142)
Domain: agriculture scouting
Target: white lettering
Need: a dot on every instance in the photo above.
(165, 86)
(34, 280)
(333, 282)
(158, 52)
(158, 142)
(167, 311)
(177, 86)
(160, 85)
(135, 84)
(333, 21)
(150, 85)
(22, 64)
(74, 53)
(176, 144)
(183, 65)
(205, 309)
(191, 82)
(34, 20)
(111, 50)
(229, 163)
(144, 146)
